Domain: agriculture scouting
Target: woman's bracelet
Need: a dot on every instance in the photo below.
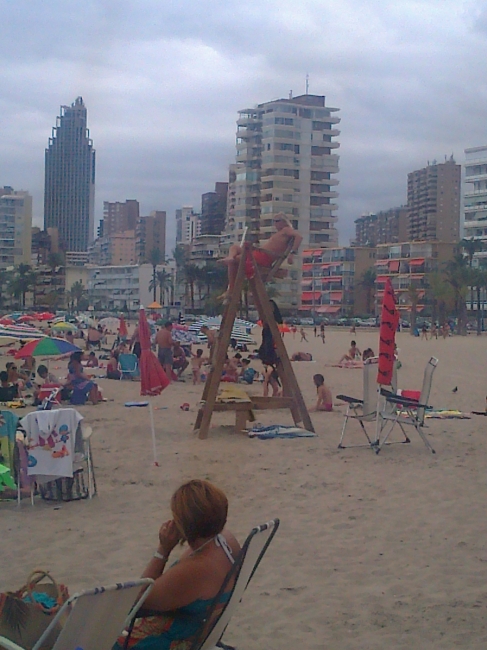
(160, 556)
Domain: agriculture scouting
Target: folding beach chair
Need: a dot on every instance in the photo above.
(365, 410)
(239, 575)
(128, 365)
(404, 411)
(95, 618)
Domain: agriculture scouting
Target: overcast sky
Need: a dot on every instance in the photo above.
(163, 81)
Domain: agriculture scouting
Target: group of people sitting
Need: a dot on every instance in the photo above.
(354, 357)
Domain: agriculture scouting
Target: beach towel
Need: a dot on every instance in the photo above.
(233, 394)
(280, 431)
(447, 414)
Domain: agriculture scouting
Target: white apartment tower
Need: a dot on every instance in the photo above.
(475, 196)
(188, 225)
(15, 227)
(286, 162)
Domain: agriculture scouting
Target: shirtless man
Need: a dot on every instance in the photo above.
(165, 344)
(266, 254)
(211, 340)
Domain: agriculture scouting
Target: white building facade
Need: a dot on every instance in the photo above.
(15, 227)
(475, 197)
(188, 225)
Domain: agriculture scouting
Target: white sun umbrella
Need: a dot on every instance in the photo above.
(240, 330)
(111, 322)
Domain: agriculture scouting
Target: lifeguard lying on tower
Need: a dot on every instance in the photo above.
(271, 250)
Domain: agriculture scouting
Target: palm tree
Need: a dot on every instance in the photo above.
(440, 296)
(77, 292)
(413, 296)
(191, 274)
(367, 283)
(155, 258)
(164, 281)
(458, 276)
(23, 281)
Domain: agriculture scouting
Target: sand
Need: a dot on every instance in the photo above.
(385, 551)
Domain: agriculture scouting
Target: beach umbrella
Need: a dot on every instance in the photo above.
(45, 315)
(18, 333)
(389, 321)
(6, 321)
(110, 322)
(154, 305)
(153, 379)
(122, 328)
(62, 326)
(27, 318)
(46, 347)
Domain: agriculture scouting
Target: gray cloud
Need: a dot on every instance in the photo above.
(163, 83)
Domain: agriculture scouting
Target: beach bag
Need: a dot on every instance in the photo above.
(23, 622)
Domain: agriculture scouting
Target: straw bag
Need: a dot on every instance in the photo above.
(24, 622)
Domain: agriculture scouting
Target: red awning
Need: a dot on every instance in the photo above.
(326, 266)
(417, 262)
(394, 266)
(336, 295)
(307, 267)
(310, 295)
(381, 263)
(317, 253)
(329, 309)
(308, 253)
(381, 278)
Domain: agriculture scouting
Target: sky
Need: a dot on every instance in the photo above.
(163, 81)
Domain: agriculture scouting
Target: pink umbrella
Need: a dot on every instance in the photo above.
(153, 379)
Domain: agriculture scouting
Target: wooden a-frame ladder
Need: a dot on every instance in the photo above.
(292, 397)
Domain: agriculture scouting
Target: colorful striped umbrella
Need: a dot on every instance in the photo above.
(46, 347)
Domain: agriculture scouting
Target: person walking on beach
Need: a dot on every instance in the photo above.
(322, 332)
(303, 335)
(424, 332)
(165, 344)
(315, 329)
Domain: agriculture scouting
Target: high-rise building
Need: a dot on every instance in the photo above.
(188, 225)
(150, 235)
(119, 217)
(434, 202)
(213, 209)
(69, 187)
(286, 163)
(475, 197)
(15, 227)
(385, 227)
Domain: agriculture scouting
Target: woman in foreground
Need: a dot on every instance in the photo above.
(182, 594)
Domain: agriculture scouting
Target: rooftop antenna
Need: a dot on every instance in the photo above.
(307, 83)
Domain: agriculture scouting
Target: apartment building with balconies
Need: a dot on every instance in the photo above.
(408, 264)
(475, 199)
(434, 194)
(330, 283)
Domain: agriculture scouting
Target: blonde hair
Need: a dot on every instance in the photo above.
(199, 509)
(283, 217)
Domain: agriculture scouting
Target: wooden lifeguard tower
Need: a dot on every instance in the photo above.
(292, 398)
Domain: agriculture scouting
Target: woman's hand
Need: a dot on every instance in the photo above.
(169, 536)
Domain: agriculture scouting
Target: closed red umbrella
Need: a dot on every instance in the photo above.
(153, 379)
(122, 328)
(389, 321)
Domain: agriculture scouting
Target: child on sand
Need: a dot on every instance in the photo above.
(324, 401)
(197, 360)
(352, 354)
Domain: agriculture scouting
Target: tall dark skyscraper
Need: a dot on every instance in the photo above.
(69, 188)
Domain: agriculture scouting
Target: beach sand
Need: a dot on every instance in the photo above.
(373, 552)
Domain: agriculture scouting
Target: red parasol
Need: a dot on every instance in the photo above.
(153, 379)
(122, 328)
(389, 321)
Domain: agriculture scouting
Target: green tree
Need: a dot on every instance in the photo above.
(164, 281)
(191, 275)
(413, 298)
(470, 247)
(155, 258)
(367, 284)
(77, 292)
(439, 294)
(458, 276)
(22, 281)
(54, 260)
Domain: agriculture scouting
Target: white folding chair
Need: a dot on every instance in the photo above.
(364, 410)
(240, 575)
(95, 618)
(404, 411)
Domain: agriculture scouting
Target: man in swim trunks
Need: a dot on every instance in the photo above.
(165, 344)
(270, 250)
